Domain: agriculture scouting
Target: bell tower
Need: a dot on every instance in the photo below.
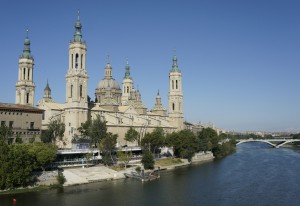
(176, 96)
(25, 86)
(76, 110)
(127, 85)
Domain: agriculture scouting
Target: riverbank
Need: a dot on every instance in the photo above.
(77, 176)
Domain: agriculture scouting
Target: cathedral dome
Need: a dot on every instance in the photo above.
(108, 83)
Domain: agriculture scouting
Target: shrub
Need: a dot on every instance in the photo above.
(61, 178)
(148, 160)
(138, 169)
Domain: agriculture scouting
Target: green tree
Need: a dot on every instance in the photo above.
(131, 135)
(55, 131)
(296, 136)
(46, 136)
(108, 144)
(148, 160)
(57, 128)
(60, 178)
(184, 143)
(4, 163)
(224, 149)
(84, 129)
(94, 129)
(154, 140)
(124, 157)
(208, 139)
(18, 139)
(20, 166)
(5, 132)
(43, 153)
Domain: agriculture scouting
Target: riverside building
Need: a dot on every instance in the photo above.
(119, 104)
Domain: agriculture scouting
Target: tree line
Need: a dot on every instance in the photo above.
(18, 161)
(185, 143)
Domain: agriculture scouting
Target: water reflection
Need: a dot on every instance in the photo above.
(255, 175)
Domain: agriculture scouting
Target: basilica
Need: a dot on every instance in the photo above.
(120, 105)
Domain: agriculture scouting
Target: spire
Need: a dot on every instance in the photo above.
(127, 71)
(47, 91)
(78, 35)
(26, 51)
(47, 88)
(158, 98)
(175, 65)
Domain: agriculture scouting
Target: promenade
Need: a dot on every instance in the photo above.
(76, 176)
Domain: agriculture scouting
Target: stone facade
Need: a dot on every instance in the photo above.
(25, 121)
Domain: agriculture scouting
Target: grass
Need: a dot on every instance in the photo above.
(168, 161)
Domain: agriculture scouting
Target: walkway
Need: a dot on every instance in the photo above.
(77, 176)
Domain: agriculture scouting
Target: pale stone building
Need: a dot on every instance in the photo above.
(25, 121)
(122, 108)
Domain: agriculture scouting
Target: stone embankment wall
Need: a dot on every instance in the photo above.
(202, 156)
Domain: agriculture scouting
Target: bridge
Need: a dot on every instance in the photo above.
(273, 142)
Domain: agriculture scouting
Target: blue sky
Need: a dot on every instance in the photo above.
(239, 59)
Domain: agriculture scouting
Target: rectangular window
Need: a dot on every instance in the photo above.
(27, 98)
(2, 123)
(80, 90)
(31, 125)
(11, 123)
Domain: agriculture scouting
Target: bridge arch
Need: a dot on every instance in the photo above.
(253, 140)
(286, 142)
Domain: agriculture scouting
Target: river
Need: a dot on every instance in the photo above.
(255, 175)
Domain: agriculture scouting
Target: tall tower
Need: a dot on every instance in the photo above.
(175, 96)
(76, 109)
(25, 86)
(127, 85)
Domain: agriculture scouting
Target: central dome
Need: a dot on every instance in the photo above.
(108, 83)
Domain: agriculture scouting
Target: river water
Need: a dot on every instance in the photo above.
(255, 175)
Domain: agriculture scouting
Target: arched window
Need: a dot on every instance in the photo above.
(24, 73)
(172, 84)
(28, 74)
(173, 106)
(76, 61)
(71, 91)
(127, 89)
(80, 90)
(176, 84)
(81, 61)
